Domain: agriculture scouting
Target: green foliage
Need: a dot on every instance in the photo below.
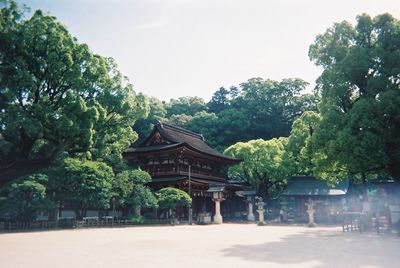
(134, 218)
(81, 184)
(56, 95)
(206, 124)
(185, 105)
(144, 126)
(180, 120)
(360, 97)
(271, 106)
(171, 198)
(23, 199)
(299, 144)
(130, 189)
(265, 164)
(221, 99)
(259, 108)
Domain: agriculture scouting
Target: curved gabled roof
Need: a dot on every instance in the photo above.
(176, 136)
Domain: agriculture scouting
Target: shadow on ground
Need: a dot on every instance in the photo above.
(324, 249)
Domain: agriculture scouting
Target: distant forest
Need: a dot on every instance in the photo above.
(256, 109)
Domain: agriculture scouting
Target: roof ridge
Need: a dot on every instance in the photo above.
(182, 130)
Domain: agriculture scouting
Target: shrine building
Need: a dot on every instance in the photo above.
(175, 157)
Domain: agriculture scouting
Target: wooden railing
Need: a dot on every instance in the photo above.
(13, 226)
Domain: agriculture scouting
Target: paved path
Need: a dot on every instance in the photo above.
(228, 245)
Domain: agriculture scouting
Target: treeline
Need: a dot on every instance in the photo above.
(255, 109)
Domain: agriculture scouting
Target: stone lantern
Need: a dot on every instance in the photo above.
(310, 211)
(217, 197)
(217, 192)
(260, 209)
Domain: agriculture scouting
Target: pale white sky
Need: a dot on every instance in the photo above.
(175, 48)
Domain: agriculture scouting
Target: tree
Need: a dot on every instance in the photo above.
(80, 185)
(360, 97)
(56, 95)
(179, 120)
(258, 108)
(206, 124)
(185, 105)
(265, 164)
(131, 190)
(272, 106)
(219, 101)
(24, 198)
(233, 125)
(299, 144)
(170, 198)
(144, 126)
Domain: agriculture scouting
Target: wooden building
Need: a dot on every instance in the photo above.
(175, 157)
(329, 200)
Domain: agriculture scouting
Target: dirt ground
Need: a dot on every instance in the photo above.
(227, 245)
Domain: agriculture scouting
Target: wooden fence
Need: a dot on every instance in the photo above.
(12, 226)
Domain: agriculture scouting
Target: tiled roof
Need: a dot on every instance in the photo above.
(179, 136)
(310, 186)
(152, 148)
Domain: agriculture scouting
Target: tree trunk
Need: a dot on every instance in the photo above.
(136, 210)
(80, 213)
(54, 214)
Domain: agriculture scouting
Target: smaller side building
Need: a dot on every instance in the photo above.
(329, 200)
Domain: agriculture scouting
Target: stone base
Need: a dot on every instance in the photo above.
(312, 224)
(204, 218)
(251, 217)
(261, 223)
(218, 219)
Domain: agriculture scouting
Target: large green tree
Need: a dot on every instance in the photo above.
(360, 97)
(171, 198)
(272, 106)
(80, 184)
(265, 165)
(300, 144)
(144, 126)
(56, 95)
(24, 198)
(131, 190)
(185, 105)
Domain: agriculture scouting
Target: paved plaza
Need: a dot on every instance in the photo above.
(227, 245)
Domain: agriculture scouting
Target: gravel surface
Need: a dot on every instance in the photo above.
(227, 245)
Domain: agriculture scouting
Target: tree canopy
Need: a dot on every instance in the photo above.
(265, 165)
(56, 95)
(360, 97)
(259, 108)
(185, 105)
(81, 184)
(130, 188)
(171, 198)
(300, 143)
(24, 198)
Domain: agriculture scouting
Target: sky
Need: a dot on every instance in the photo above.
(174, 48)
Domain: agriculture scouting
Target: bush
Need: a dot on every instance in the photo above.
(134, 219)
(171, 198)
